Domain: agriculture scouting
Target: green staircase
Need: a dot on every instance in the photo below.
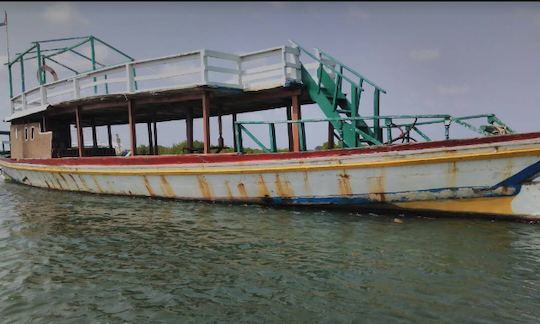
(342, 111)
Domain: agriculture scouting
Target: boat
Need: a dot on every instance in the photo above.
(369, 162)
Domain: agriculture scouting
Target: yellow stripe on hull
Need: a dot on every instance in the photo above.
(491, 205)
(451, 157)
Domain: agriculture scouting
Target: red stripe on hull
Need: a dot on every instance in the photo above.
(233, 157)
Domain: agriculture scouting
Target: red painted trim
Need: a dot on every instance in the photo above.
(233, 157)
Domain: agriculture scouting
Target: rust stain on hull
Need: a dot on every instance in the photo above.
(452, 174)
(166, 187)
(307, 185)
(377, 188)
(98, 187)
(148, 186)
(55, 177)
(64, 179)
(263, 189)
(344, 184)
(283, 188)
(508, 169)
(75, 182)
(204, 187)
(242, 190)
(228, 189)
(83, 183)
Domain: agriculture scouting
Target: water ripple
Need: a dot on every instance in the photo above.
(67, 257)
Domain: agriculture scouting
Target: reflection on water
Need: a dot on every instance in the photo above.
(68, 257)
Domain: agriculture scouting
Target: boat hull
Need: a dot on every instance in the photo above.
(495, 178)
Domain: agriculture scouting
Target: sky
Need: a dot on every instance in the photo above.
(452, 58)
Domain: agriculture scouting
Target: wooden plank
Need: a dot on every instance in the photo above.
(206, 122)
(132, 130)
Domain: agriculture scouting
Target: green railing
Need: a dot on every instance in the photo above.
(338, 103)
(407, 129)
(41, 55)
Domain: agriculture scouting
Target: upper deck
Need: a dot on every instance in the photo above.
(243, 82)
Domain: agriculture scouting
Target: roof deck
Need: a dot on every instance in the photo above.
(169, 88)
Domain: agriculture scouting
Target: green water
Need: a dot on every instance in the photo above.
(78, 258)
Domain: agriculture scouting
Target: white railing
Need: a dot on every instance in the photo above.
(252, 71)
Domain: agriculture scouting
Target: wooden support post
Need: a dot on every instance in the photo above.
(206, 122)
(132, 130)
(295, 115)
(189, 131)
(156, 147)
(150, 139)
(289, 129)
(221, 143)
(94, 134)
(331, 143)
(234, 135)
(109, 136)
(80, 136)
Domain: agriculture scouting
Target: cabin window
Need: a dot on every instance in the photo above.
(32, 133)
(26, 133)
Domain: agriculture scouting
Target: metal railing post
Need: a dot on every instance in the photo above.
(238, 136)
(272, 134)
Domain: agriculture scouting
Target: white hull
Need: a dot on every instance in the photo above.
(484, 178)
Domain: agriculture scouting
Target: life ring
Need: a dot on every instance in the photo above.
(49, 69)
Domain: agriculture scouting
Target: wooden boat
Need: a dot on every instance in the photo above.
(496, 174)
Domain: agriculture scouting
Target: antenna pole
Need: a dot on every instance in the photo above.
(7, 35)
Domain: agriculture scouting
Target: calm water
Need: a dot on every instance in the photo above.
(67, 257)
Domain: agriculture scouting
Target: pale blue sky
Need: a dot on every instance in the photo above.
(457, 58)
